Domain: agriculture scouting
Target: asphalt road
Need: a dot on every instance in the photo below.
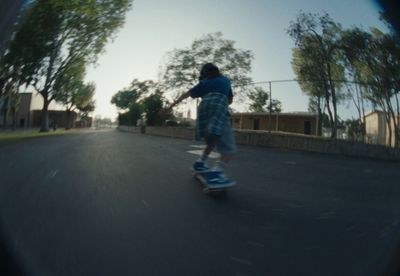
(116, 203)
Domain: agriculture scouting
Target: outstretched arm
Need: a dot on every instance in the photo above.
(168, 110)
(180, 99)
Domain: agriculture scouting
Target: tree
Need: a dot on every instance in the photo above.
(72, 92)
(124, 98)
(141, 97)
(182, 67)
(11, 12)
(354, 129)
(128, 100)
(10, 106)
(9, 85)
(54, 34)
(315, 60)
(79, 97)
(152, 105)
(88, 108)
(353, 47)
(308, 68)
(260, 101)
(382, 74)
(86, 121)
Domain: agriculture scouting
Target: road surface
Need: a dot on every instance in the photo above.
(117, 203)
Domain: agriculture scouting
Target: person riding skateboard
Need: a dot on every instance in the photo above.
(213, 123)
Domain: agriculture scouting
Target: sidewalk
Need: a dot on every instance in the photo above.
(10, 130)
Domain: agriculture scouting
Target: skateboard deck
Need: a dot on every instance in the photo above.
(202, 178)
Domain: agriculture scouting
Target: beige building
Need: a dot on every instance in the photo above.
(377, 128)
(296, 122)
(29, 112)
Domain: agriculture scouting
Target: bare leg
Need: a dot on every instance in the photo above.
(206, 152)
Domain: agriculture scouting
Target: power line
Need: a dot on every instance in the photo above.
(298, 80)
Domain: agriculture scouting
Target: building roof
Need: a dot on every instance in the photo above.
(378, 112)
(372, 112)
(292, 114)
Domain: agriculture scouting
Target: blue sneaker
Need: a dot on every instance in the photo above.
(200, 167)
(217, 179)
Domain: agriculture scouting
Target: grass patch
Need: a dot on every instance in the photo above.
(18, 135)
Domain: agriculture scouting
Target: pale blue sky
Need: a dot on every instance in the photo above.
(154, 27)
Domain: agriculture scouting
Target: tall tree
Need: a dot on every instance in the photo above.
(72, 92)
(315, 60)
(182, 66)
(54, 34)
(87, 109)
(141, 97)
(152, 105)
(382, 73)
(124, 98)
(85, 119)
(259, 101)
(353, 48)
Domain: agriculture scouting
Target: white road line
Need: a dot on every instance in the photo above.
(198, 146)
(52, 174)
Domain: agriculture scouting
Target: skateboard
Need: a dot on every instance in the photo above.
(207, 189)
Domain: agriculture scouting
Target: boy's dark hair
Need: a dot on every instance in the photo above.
(209, 70)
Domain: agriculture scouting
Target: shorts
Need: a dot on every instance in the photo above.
(226, 144)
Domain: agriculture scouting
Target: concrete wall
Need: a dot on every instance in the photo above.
(277, 122)
(286, 141)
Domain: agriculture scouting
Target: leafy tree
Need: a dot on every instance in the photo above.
(152, 105)
(182, 66)
(54, 34)
(382, 74)
(78, 98)
(354, 129)
(141, 97)
(131, 117)
(315, 60)
(10, 106)
(88, 108)
(9, 85)
(275, 106)
(124, 98)
(353, 47)
(260, 101)
(71, 90)
(7, 71)
(135, 113)
(128, 100)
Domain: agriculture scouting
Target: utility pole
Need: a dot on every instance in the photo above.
(270, 107)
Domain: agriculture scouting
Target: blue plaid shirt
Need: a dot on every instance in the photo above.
(219, 84)
(213, 114)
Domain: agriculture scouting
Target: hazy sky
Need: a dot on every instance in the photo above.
(154, 27)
